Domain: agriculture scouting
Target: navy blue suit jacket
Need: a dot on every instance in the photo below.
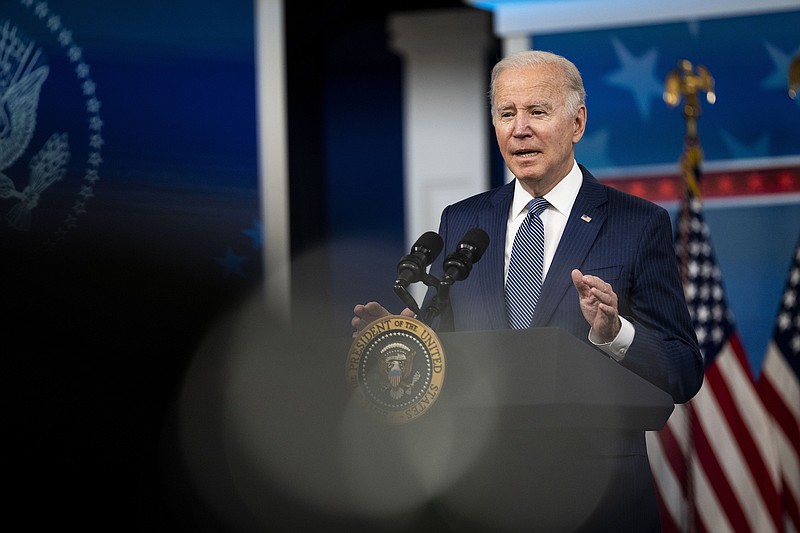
(625, 240)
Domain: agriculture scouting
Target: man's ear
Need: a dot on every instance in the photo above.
(579, 124)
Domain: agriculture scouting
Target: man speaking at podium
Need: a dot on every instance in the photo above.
(569, 252)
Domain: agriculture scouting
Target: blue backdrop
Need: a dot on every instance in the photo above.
(158, 104)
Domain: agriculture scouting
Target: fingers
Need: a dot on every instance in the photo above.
(588, 282)
(605, 295)
(370, 309)
(601, 296)
(364, 314)
(599, 304)
(580, 282)
(358, 324)
(594, 290)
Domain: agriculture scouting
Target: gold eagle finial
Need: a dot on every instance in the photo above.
(684, 82)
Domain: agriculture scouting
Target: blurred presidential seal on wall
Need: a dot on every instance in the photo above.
(395, 367)
(50, 126)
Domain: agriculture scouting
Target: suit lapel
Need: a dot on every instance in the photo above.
(493, 219)
(585, 220)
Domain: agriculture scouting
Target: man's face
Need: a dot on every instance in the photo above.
(534, 130)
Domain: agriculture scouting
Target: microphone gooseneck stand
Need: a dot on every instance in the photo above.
(457, 267)
(444, 308)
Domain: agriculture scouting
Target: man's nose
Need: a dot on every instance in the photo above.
(522, 126)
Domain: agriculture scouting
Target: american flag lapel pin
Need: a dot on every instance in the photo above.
(586, 218)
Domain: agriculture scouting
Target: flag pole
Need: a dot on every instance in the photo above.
(683, 83)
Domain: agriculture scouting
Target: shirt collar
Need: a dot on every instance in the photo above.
(562, 197)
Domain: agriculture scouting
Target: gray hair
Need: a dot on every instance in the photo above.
(576, 94)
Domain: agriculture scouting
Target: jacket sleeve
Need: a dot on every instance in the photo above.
(664, 350)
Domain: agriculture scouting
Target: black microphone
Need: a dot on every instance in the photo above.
(412, 266)
(458, 264)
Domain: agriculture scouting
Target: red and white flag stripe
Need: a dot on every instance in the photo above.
(779, 387)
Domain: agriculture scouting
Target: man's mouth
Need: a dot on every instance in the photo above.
(525, 153)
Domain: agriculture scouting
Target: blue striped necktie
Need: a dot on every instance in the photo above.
(524, 281)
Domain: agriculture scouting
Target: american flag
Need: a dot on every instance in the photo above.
(779, 386)
(714, 463)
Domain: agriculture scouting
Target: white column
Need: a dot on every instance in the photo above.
(445, 111)
(273, 155)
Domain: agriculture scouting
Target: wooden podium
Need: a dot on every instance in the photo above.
(526, 434)
(545, 378)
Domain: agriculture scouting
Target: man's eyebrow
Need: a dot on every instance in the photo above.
(539, 105)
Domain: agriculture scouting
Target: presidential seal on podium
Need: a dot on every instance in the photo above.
(396, 368)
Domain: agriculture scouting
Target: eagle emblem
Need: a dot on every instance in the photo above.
(398, 362)
(35, 154)
(21, 83)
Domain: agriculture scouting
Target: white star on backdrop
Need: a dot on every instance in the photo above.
(637, 75)
(777, 79)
